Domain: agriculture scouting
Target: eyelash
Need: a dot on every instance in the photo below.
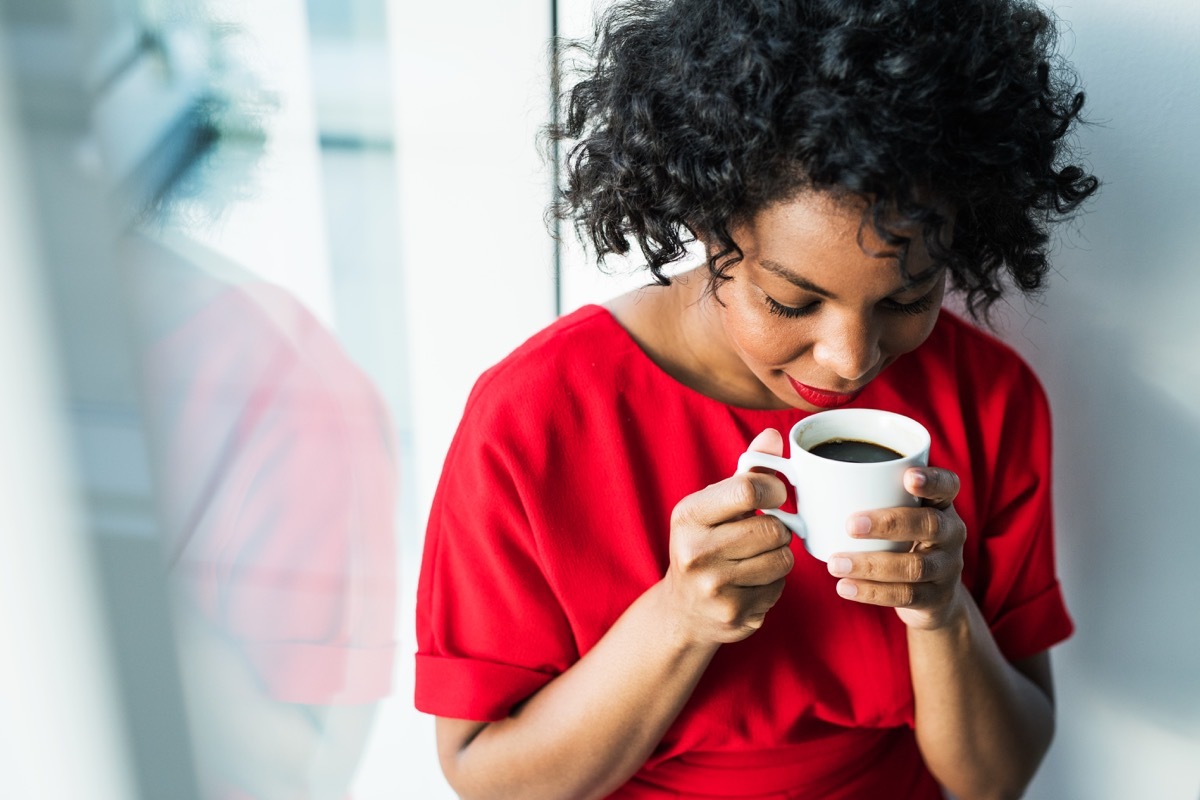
(790, 312)
(915, 308)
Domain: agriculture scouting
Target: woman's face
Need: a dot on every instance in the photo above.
(817, 309)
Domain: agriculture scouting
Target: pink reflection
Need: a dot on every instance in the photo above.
(278, 475)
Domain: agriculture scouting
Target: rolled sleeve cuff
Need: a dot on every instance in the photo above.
(462, 688)
(1033, 626)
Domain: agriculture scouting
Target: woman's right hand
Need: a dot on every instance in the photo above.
(728, 564)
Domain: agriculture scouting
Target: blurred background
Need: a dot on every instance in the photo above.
(254, 256)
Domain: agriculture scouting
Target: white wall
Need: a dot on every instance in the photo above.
(1117, 343)
(471, 84)
(582, 281)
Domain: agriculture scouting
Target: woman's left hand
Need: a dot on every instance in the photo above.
(921, 584)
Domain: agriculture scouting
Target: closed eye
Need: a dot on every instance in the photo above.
(915, 308)
(791, 312)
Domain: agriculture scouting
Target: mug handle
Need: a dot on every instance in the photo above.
(752, 458)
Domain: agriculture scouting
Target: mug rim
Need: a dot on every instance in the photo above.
(910, 425)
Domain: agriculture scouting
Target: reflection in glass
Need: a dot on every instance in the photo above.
(277, 485)
(213, 185)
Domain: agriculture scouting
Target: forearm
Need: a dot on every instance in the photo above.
(591, 728)
(982, 726)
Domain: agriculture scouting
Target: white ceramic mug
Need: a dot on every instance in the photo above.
(828, 491)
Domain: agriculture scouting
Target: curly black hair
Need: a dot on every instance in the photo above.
(693, 115)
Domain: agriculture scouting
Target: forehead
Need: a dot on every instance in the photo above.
(819, 235)
(827, 218)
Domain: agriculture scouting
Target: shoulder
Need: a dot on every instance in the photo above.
(578, 343)
(972, 385)
(978, 361)
(555, 376)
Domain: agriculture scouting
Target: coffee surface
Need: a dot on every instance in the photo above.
(853, 450)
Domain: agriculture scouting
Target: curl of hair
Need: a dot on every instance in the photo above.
(692, 115)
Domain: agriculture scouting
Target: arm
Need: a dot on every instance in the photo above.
(982, 723)
(591, 728)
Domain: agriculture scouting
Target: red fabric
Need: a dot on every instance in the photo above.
(552, 517)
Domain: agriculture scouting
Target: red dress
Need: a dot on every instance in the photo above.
(552, 516)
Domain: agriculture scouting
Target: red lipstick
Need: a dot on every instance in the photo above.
(821, 398)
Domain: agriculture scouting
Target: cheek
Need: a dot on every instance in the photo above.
(762, 338)
(905, 335)
(908, 333)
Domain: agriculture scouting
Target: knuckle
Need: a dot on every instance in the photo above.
(785, 559)
(729, 615)
(917, 568)
(688, 559)
(883, 519)
(867, 592)
(931, 523)
(745, 492)
(774, 532)
(681, 514)
(958, 531)
(711, 587)
(686, 554)
(768, 528)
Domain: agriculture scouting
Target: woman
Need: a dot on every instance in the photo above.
(601, 611)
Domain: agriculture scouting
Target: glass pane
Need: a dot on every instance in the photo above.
(265, 287)
(280, 242)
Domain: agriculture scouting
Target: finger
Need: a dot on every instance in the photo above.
(938, 487)
(922, 566)
(762, 598)
(892, 595)
(749, 537)
(730, 499)
(925, 524)
(762, 569)
(752, 605)
(770, 441)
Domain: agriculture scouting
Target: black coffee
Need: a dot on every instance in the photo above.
(854, 450)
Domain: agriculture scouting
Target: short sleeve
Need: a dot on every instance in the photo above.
(1018, 587)
(490, 629)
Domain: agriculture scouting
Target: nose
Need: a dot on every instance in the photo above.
(848, 347)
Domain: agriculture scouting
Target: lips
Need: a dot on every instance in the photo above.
(821, 398)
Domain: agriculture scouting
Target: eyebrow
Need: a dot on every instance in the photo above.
(776, 268)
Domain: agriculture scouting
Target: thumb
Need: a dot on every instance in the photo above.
(769, 441)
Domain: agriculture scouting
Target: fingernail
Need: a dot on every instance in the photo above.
(858, 525)
(839, 566)
(919, 479)
(847, 589)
